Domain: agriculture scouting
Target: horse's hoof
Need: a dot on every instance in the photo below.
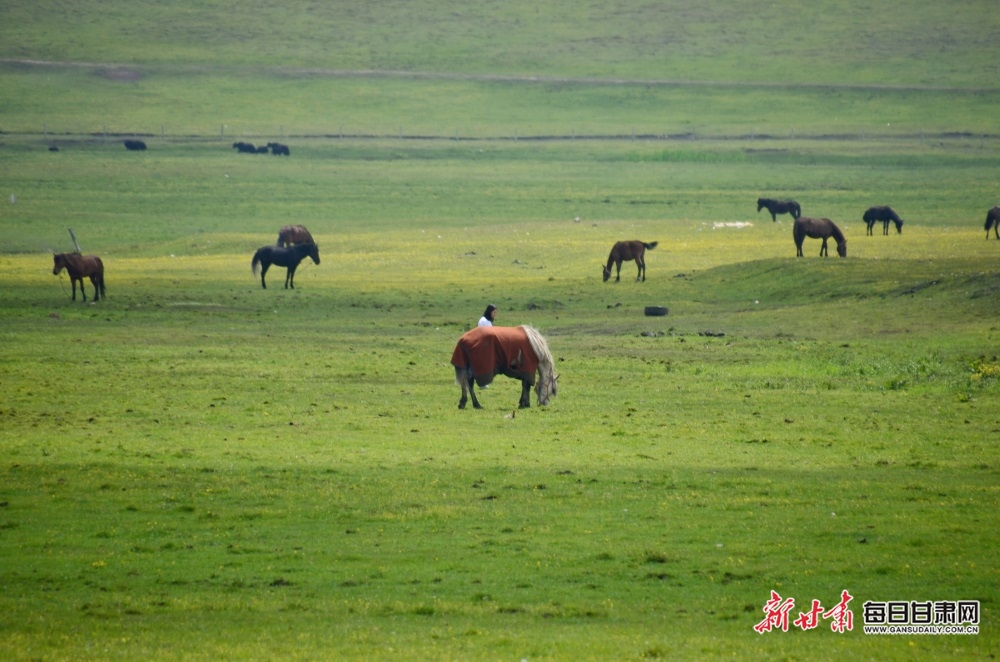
(461, 405)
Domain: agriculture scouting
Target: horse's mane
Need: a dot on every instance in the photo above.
(837, 234)
(546, 366)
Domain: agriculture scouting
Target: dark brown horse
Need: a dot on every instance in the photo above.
(79, 267)
(514, 351)
(993, 221)
(779, 207)
(626, 251)
(818, 228)
(886, 215)
(294, 234)
(282, 257)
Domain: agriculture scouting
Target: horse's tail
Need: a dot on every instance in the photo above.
(281, 239)
(989, 220)
(796, 209)
(254, 263)
(463, 364)
(100, 276)
(651, 245)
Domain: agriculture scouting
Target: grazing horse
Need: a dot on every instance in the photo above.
(294, 234)
(993, 221)
(779, 207)
(626, 251)
(80, 266)
(818, 228)
(515, 351)
(885, 214)
(282, 257)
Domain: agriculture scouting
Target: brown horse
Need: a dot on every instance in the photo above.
(78, 267)
(626, 251)
(993, 221)
(779, 207)
(294, 234)
(282, 257)
(886, 215)
(818, 228)
(514, 351)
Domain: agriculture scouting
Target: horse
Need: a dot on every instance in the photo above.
(294, 234)
(818, 228)
(779, 207)
(514, 351)
(993, 221)
(626, 251)
(282, 257)
(885, 214)
(80, 266)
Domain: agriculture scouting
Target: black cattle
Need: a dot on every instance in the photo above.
(279, 150)
(245, 148)
(135, 145)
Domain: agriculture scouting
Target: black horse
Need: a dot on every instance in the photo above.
(993, 221)
(779, 207)
(886, 215)
(282, 257)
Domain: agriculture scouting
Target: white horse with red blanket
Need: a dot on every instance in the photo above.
(515, 351)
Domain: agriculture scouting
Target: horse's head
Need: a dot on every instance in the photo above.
(842, 248)
(899, 226)
(607, 272)
(313, 252)
(760, 204)
(546, 388)
(58, 263)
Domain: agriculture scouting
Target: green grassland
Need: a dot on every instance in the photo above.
(197, 468)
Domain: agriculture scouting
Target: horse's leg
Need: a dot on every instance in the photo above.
(525, 401)
(472, 392)
(822, 251)
(97, 287)
(290, 277)
(263, 272)
(774, 217)
(463, 382)
(641, 264)
(618, 271)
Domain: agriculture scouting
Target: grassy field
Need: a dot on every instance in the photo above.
(196, 468)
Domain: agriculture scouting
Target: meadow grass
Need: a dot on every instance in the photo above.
(285, 473)
(196, 468)
(929, 44)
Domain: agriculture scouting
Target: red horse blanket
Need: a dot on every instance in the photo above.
(495, 349)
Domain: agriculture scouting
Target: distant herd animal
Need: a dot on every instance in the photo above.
(993, 221)
(884, 214)
(779, 207)
(79, 267)
(135, 145)
(276, 148)
(288, 257)
(818, 228)
(626, 251)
